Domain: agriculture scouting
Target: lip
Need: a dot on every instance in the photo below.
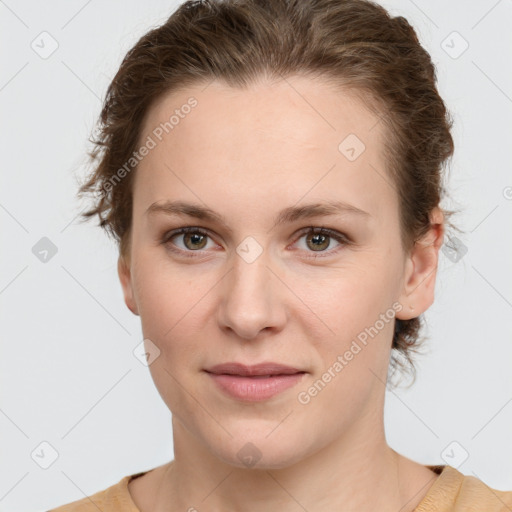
(254, 383)
(267, 368)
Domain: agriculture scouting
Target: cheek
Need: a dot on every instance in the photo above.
(344, 310)
(354, 353)
(171, 309)
(175, 308)
(343, 297)
(166, 295)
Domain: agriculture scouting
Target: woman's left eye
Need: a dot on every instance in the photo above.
(320, 239)
(317, 240)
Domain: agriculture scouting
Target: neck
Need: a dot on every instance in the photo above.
(356, 472)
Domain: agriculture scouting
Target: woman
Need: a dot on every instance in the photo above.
(272, 173)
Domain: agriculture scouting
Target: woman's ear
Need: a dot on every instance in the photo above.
(124, 272)
(421, 269)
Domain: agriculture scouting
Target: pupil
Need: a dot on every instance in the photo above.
(196, 239)
(318, 238)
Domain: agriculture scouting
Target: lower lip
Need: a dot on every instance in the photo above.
(255, 389)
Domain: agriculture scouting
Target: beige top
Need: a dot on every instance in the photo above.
(451, 492)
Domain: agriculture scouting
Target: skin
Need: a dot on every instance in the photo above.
(247, 154)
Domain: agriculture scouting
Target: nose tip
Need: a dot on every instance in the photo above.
(250, 302)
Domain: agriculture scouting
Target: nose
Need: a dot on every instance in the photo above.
(252, 297)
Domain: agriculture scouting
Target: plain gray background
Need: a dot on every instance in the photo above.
(69, 376)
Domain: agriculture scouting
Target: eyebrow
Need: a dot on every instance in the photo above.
(287, 215)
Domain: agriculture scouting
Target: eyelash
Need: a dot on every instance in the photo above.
(339, 237)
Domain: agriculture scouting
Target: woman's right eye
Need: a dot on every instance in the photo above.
(193, 239)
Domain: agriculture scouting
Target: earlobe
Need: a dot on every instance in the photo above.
(421, 270)
(123, 270)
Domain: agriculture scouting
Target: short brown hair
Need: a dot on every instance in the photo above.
(353, 43)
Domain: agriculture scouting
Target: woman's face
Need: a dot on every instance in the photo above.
(257, 287)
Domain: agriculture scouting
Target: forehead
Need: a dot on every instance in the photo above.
(290, 138)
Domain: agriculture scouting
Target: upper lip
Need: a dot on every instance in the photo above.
(270, 368)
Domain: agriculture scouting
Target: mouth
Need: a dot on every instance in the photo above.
(257, 370)
(254, 383)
